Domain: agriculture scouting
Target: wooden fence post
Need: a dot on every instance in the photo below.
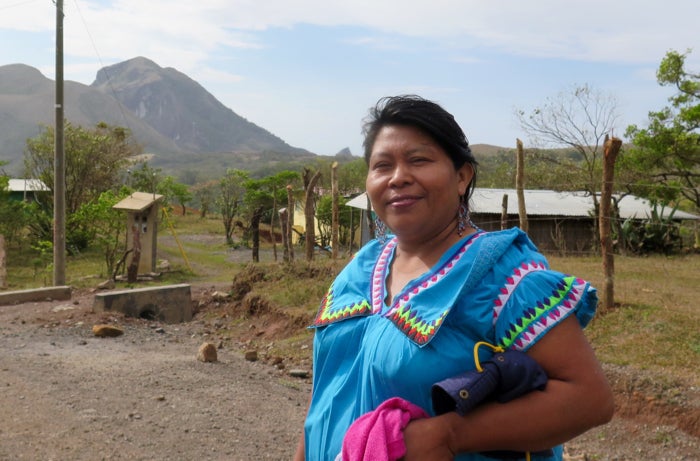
(520, 185)
(335, 216)
(3, 267)
(611, 149)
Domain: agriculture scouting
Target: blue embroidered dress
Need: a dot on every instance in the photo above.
(490, 286)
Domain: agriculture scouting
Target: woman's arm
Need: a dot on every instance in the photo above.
(577, 398)
(299, 454)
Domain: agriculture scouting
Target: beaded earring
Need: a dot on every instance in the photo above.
(379, 230)
(463, 218)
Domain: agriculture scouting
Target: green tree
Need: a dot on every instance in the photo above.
(666, 153)
(175, 192)
(144, 178)
(351, 177)
(232, 192)
(204, 195)
(95, 160)
(14, 215)
(324, 216)
(106, 226)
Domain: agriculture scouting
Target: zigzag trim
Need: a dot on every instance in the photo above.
(327, 314)
(413, 326)
(550, 311)
(512, 283)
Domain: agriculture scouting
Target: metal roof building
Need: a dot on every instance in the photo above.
(560, 221)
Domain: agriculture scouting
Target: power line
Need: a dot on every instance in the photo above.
(104, 68)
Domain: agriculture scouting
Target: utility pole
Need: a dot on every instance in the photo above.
(59, 190)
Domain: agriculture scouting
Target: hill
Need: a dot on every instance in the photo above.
(171, 115)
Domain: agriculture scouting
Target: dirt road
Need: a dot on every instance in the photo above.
(68, 395)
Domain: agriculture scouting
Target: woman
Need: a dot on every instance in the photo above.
(410, 309)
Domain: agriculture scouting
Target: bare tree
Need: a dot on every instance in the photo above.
(578, 119)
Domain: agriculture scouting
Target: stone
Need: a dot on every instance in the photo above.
(207, 353)
(297, 373)
(107, 331)
(251, 356)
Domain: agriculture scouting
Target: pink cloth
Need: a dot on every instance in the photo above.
(378, 435)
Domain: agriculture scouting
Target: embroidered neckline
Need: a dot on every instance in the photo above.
(416, 286)
(419, 329)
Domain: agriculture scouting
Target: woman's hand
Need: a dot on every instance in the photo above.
(427, 440)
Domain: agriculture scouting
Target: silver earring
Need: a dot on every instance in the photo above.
(379, 230)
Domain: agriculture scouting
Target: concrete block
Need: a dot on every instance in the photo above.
(169, 304)
(58, 293)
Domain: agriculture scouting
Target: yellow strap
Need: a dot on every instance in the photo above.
(476, 353)
(480, 369)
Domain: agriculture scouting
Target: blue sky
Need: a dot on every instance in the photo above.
(308, 70)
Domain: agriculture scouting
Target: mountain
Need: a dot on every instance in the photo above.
(182, 110)
(171, 115)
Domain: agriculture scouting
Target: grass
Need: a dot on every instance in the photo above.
(655, 325)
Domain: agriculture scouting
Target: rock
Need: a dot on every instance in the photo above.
(251, 356)
(62, 307)
(296, 373)
(106, 331)
(220, 295)
(207, 353)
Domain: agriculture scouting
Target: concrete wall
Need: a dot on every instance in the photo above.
(169, 304)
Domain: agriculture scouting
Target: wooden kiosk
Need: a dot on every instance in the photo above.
(141, 229)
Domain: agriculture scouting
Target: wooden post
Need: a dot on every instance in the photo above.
(520, 184)
(335, 213)
(611, 149)
(132, 272)
(255, 231)
(272, 222)
(309, 212)
(3, 267)
(504, 212)
(290, 222)
(284, 222)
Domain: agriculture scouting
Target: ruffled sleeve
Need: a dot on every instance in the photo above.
(535, 299)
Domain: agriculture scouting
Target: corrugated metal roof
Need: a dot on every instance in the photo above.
(27, 185)
(551, 203)
(138, 201)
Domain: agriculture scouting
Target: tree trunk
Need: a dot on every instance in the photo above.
(309, 212)
(255, 231)
(520, 185)
(290, 222)
(335, 214)
(611, 149)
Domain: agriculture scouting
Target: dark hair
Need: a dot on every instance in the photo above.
(428, 116)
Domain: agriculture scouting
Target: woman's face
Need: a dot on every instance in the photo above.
(412, 183)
